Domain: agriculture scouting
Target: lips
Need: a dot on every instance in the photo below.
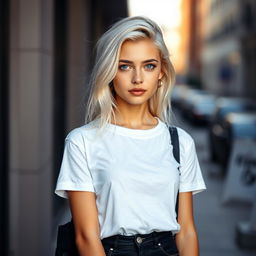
(137, 92)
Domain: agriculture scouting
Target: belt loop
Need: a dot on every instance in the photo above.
(116, 241)
(155, 238)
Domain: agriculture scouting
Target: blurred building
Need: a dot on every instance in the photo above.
(46, 55)
(229, 47)
(195, 42)
(181, 66)
(191, 42)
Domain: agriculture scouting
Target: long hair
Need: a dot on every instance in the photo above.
(101, 102)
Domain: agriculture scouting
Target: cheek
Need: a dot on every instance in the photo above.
(120, 80)
(118, 84)
(154, 75)
(153, 79)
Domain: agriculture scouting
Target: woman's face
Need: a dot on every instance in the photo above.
(139, 68)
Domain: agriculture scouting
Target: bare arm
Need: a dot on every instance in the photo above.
(186, 239)
(85, 217)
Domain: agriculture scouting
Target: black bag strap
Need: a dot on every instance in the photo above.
(176, 153)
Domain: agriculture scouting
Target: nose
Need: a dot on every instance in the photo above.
(137, 77)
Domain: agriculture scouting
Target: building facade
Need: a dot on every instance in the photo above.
(46, 55)
(228, 53)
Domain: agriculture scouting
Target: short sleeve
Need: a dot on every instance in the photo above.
(191, 178)
(74, 173)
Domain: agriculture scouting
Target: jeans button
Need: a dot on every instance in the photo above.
(139, 240)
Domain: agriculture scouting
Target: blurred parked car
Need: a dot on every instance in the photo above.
(226, 105)
(187, 99)
(225, 130)
(177, 94)
(201, 108)
(223, 107)
(195, 105)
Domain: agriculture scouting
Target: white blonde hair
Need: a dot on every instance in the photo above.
(101, 102)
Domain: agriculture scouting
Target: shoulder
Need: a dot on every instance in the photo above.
(79, 134)
(186, 145)
(185, 139)
(184, 135)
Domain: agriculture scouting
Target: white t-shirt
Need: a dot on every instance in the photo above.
(133, 173)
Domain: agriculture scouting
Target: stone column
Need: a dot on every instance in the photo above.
(31, 103)
(79, 56)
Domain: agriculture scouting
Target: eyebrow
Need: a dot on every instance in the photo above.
(145, 61)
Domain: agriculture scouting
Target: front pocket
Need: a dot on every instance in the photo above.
(165, 252)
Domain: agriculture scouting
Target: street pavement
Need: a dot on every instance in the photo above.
(215, 222)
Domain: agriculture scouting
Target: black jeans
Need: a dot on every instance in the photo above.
(153, 244)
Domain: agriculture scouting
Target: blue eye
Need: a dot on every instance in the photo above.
(123, 67)
(150, 66)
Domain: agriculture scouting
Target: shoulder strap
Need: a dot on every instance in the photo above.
(175, 143)
(176, 153)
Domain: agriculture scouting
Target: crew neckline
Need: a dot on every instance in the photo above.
(138, 133)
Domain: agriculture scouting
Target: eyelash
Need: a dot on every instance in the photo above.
(121, 67)
(153, 66)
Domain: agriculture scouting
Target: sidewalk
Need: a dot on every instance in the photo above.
(215, 222)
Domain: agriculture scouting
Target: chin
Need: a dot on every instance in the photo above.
(133, 100)
(138, 100)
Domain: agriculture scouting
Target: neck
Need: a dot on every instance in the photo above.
(134, 116)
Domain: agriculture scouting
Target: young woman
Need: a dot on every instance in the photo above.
(118, 170)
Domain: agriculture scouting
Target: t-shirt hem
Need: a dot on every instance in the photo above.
(194, 187)
(63, 187)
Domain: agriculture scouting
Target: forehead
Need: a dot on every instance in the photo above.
(139, 50)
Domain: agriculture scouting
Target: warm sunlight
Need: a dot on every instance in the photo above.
(168, 15)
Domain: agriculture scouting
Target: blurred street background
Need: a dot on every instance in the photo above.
(45, 62)
(216, 223)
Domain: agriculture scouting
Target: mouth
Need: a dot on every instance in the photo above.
(137, 92)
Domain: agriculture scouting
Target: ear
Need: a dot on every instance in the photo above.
(161, 75)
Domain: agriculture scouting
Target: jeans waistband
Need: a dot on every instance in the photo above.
(155, 235)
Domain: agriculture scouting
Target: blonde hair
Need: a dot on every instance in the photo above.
(101, 102)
